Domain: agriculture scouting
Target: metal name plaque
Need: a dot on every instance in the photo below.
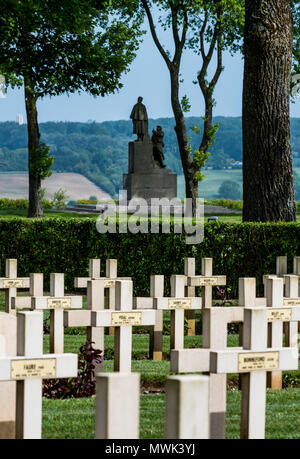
(292, 302)
(109, 283)
(13, 283)
(279, 315)
(207, 281)
(59, 303)
(126, 318)
(180, 303)
(258, 361)
(33, 368)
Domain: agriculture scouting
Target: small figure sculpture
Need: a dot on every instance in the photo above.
(139, 117)
(158, 146)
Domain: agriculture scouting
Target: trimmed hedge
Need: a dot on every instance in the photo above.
(66, 244)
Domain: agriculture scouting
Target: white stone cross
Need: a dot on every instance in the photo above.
(82, 318)
(11, 282)
(190, 270)
(177, 304)
(36, 289)
(117, 406)
(214, 337)
(253, 362)
(118, 400)
(56, 303)
(282, 271)
(156, 332)
(29, 368)
(111, 275)
(187, 410)
(123, 318)
(8, 348)
(206, 281)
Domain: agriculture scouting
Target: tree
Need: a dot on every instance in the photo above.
(61, 47)
(267, 171)
(193, 25)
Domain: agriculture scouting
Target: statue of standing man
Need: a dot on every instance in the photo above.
(139, 118)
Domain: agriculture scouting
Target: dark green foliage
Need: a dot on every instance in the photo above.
(230, 190)
(66, 245)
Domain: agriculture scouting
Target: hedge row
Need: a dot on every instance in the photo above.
(6, 203)
(65, 245)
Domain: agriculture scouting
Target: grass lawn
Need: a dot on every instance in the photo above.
(11, 214)
(76, 418)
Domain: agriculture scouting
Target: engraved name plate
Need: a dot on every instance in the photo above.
(207, 281)
(258, 361)
(126, 318)
(59, 303)
(291, 302)
(280, 314)
(33, 368)
(180, 303)
(109, 283)
(10, 283)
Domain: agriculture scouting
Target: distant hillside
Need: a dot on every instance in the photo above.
(99, 151)
(76, 186)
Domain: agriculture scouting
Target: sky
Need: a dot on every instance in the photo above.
(148, 78)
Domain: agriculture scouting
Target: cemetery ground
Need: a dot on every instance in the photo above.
(74, 418)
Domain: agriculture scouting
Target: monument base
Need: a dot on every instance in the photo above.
(145, 178)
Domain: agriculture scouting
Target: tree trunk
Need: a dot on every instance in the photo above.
(35, 190)
(191, 184)
(268, 171)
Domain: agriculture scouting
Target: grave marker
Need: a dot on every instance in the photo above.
(111, 275)
(253, 362)
(206, 281)
(11, 282)
(177, 304)
(117, 406)
(123, 319)
(56, 303)
(29, 368)
(156, 332)
(82, 318)
(8, 348)
(187, 411)
(215, 322)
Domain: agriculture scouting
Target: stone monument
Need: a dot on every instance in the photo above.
(147, 175)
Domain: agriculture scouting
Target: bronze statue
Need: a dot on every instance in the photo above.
(139, 117)
(158, 146)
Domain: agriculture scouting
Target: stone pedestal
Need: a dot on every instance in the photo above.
(145, 178)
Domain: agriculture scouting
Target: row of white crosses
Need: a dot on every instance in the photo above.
(188, 400)
(182, 301)
(215, 322)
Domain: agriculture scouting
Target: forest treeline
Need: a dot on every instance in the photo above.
(99, 151)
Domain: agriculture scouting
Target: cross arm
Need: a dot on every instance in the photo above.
(190, 360)
(109, 318)
(142, 303)
(78, 318)
(66, 366)
(203, 281)
(20, 282)
(177, 303)
(245, 361)
(49, 302)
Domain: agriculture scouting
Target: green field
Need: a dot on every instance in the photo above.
(208, 188)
